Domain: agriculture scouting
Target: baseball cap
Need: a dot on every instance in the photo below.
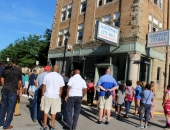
(47, 68)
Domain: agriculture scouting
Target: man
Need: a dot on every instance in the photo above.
(38, 92)
(11, 81)
(32, 87)
(77, 88)
(107, 85)
(1, 69)
(26, 79)
(51, 91)
(63, 112)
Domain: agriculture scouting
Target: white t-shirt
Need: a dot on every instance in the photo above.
(53, 82)
(77, 83)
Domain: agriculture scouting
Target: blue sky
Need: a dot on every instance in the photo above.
(20, 18)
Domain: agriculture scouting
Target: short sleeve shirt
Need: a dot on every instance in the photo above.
(138, 91)
(11, 77)
(32, 78)
(40, 79)
(145, 95)
(53, 82)
(107, 82)
(77, 83)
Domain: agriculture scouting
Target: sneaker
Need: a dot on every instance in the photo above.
(23, 95)
(140, 126)
(99, 122)
(146, 126)
(29, 97)
(106, 123)
(53, 128)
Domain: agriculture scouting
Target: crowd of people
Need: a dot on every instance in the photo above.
(53, 93)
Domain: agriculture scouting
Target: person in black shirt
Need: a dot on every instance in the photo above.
(1, 69)
(11, 80)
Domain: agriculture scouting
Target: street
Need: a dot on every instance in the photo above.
(87, 120)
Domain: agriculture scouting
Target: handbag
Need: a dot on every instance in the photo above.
(107, 95)
(141, 109)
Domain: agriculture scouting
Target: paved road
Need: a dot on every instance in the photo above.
(87, 120)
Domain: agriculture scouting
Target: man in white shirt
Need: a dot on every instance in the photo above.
(51, 91)
(76, 90)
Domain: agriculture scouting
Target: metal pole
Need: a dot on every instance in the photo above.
(64, 54)
(167, 49)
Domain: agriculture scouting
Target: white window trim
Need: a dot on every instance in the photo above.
(150, 27)
(114, 16)
(98, 3)
(107, 3)
(150, 18)
(64, 8)
(69, 6)
(80, 29)
(81, 6)
(161, 2)
(62, 15)
(105, 17)
(68, 12)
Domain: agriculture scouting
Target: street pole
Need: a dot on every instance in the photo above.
(167, 49)
(65, 43)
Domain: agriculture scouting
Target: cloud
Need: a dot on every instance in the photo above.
(20, 32)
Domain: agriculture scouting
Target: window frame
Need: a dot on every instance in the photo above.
(158, 76)
(68, 17)
(81, 8)
(105, 1)
(107, 22)
(98, 3)
(78, 31)
(63, 17)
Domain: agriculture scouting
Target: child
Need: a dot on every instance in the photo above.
(138, 91)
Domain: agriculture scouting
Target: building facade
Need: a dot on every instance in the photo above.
(131, 59)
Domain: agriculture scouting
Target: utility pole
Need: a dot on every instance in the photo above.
(167, 49)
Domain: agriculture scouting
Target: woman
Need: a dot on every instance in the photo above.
(147, 97)
(120, 99)
(90, 92)
(153, 104)
(166, 106)
(138, 91)
(129, 95)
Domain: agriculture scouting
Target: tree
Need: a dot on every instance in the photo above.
(29, 50)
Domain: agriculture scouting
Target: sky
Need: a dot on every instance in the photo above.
(20, 18)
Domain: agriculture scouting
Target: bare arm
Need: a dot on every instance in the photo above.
(84, 91)
(61, 91)
(101, 88)
(19, 88)
(68, 90)
(43, 89)
(2, 81)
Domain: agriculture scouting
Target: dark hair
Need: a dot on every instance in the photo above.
(62, 72)
(122, 88)
(138, 83)
(34, 70)
(168, 86)
(152, 82)
(128, 83)
(148, 86)
(14, 60)
(92, 80)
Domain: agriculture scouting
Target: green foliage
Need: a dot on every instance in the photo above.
(29, 50)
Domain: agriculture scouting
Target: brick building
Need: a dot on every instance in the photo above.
(134, 17)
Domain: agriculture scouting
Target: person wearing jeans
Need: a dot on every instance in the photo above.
(129, 95)
(147, 97)
(11, 80)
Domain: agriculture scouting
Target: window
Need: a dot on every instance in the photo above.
(116, 17)
(83, 7)
(60, 38)
(80, 32)
(160, 26)
(107, 1)
(96, 28)
(106, 19)
(158, 74)
(149, 27)
(156, 2)
(69, 13)
(63, 16)
(161, 4)
(150, 18)
(99, 3)
(155, 28)
(65, 31)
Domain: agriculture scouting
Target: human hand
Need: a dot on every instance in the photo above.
(66, 98)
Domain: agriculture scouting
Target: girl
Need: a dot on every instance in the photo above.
(138, 91)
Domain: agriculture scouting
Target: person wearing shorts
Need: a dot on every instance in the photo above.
(32, 87)
(25, 89)
(52, 89)
(107, 84)
(138, 91)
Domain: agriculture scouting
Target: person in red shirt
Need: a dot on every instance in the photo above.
(90, 92)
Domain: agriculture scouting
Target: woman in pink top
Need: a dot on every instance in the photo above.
(90, 92)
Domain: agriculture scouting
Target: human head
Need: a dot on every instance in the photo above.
(14, 61)
(128, 83)
(138, 83)
(56, 68)
(152, 83)
(62, 72)
(92, 80)
(168, 87)
(76, 71)
(143, 83)
(122, 88)
(47, 68)
(148, 86)
(108, 71)
(34, 71)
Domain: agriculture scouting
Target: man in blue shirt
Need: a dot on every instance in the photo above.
(107, 85)
(38, 92)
